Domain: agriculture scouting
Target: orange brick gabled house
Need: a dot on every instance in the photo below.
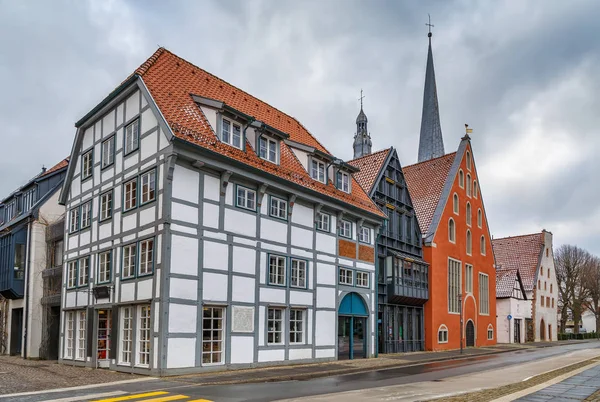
(456, 243)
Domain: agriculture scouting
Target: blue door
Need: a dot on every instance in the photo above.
(352, 327)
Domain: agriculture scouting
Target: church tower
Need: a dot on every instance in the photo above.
(362, 138)
(431, 143)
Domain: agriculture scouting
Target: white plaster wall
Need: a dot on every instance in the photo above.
(326, 274)
(184, 255)
(210, 215)
(214, 287)
(302, 157)
(325, 243)
(181, 352)
(183, 288)
(273, 230)
(240, 222)
(549, 278)
(184, 213)
(243, 289)
(242, 349)
(216, 255)
(186, 184)
(323, 353)
(211, 187)
(326, 297)
(244, 260)
(303, 215)
(303, 298)
(182, 318)
(298, 354)
(132, 105)
(271, 355)
(127, 291)
(325, 328)
(144, 290)
(302, 237)
(272, 295)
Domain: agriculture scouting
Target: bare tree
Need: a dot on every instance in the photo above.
(570, 263)
(591, 281)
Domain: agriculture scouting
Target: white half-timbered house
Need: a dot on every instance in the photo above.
(209, 230)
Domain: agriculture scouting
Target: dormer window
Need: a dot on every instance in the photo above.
(343, 181)
(317, 170)
(267, 149)
(28, 200)
(231, 133)
(11, 210)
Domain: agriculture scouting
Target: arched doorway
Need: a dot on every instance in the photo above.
(470, 333)
(352, 327)
(542, 330)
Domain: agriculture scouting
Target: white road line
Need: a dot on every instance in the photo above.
(85, 397)
(90, 386)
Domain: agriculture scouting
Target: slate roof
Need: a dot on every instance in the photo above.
(425, 182)
(522, 253)
(370, 166)
(505, 282)
(172, 81)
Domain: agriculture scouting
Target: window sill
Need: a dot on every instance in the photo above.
(130, 152)
(277, 217)
(83, 180)
(245, 208)
(103, 168)
(278, 285)
(146, 202)
(323, 230)
(105, 219)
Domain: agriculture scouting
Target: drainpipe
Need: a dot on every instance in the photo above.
(27, 275)
(376, 281)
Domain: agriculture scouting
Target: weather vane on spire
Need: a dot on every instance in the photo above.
(429, 25)
(361, 98)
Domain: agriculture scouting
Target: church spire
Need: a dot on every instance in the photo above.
(362, 138)
(431, 143)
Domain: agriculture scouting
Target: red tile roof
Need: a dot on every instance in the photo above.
(58, 166)
(505, 282)
(425, 182)
(522, 253)
(370, 166)
(172, 81)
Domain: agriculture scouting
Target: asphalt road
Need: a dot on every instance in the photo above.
(296, 389)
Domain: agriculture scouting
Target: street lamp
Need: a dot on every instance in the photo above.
(461, 321)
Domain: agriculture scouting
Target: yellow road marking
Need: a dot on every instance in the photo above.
(130, 397)
(166, 398)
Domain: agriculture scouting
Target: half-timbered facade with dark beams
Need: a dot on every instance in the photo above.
(402, 276)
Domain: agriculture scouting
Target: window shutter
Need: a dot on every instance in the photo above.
(89, 336)
(114, 334)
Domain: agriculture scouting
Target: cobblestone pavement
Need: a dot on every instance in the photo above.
(19, 375)
(496, 393)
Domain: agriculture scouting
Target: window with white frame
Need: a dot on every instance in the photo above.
(143, 350)
(469, 243)
(72, 274)
(346, 229)
(106, 205)
(461, 179)
(129, 252)
(296, 326)
(443, 334)
(468, 213)
(455, 206)
(130, 195)
(28, 199)
(74, 220)
(482, 245)
(490, 332)
(81, 330)
(479, 218)
(104, 267)
(469, 185)
(246, 198)
(469, 278)
(126, 335)
(213, 351)
(322, 222)
(484, 294)
(87, 164)
(298, 274)
(275, 326)
(70, 334)
(276, 270)
(454, 280)
(231, 133)
(84, 271)
(317, 170)
(86, 215)
(278, 208)
(468, 160)
(343, 181)
(148, 181)
(364, 235)
(346, 277)
(267, 149)
(132, 136)
(362, 279)
(451, 231)
(146, 257)
(108, 152)
(475, 189)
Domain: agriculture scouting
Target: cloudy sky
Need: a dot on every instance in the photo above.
(523, 74)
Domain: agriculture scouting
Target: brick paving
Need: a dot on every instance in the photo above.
(19, 375)
(580, 387)
(495, 393)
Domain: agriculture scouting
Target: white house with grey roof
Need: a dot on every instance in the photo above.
(208, 230)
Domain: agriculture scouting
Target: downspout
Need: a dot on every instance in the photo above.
(376, 280)
(27, 275)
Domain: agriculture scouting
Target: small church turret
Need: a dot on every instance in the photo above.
(362, 138)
